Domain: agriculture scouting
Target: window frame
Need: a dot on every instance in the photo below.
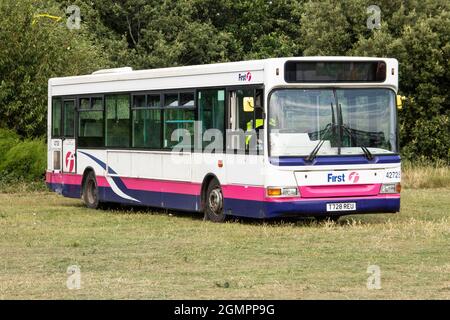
(161, 93)
(130, 118)
(62, 134)
(59, 136)
(194, 108)
(132, 108)
(267, 101)
(79, 110)
(264, 106)
(225, 111)
(285, 68)
(179, 92)
(64, 99)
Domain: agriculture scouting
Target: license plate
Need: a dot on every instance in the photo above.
(341, 206)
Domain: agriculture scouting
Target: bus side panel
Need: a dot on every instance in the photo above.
(168, 200)
(141, 178)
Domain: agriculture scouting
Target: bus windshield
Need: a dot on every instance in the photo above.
(345, 119)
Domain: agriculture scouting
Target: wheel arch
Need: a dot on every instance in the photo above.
(206, 181)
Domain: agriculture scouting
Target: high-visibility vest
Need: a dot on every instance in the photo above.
(259, 123)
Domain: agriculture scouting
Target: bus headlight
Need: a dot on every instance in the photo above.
(391, 188)
(282, 192)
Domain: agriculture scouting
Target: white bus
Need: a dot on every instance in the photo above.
(282, 137)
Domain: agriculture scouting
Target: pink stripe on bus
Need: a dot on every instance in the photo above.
(242, 192)
(69, 178)
(354, 190)
(162, 186)
(256, 193)
(63, 178)
(102, 182)
(340, 199)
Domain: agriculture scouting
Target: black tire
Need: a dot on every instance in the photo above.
(214, 210)
(90, 191)
(327, 218)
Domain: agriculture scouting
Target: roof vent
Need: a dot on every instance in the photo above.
(113, 70)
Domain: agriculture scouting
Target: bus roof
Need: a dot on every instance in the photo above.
(108, 80)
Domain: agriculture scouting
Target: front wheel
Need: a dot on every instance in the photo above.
(90, 191)
(214, 210)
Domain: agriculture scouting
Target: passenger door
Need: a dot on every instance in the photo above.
(56, 135)
(68, 137)
(244, 156)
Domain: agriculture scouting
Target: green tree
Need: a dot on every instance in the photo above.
(417, 33)
(171, 33)
(33, 50)
(162, 33)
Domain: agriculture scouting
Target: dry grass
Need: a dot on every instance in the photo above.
(417, 176)
(142, 254)
(8, 186)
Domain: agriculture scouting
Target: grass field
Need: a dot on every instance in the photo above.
(147, 254)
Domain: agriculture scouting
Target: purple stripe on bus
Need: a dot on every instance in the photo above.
(332, 160)
(239, 207)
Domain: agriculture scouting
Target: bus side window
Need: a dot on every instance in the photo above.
(211, 109)
(56, 117)
(117, 120)
(179, 117)
(246, 107)
(259, 120)
(255, 124)
(247, 121)
(147, 111)
(90, 122)
(69, 118)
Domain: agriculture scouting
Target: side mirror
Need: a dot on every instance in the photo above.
(400, 101)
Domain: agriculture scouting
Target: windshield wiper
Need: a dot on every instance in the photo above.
(316, 149)
(328, 128)
(366, 151)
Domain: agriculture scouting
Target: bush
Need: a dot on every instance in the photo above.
(430, 140)
(8, 139)
(26, 161)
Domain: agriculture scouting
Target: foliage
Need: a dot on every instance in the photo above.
(32, 51)
(417, 33)
(8, 139)
(430, 139)
(25, 161)
(161, 33)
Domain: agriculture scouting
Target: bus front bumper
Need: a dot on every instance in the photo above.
(310, 207)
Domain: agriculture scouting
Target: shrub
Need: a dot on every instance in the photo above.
(8, 139)
(430, 141)
(26, 161)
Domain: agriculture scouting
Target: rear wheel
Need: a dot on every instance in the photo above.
(214, 210)
(90, 191)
